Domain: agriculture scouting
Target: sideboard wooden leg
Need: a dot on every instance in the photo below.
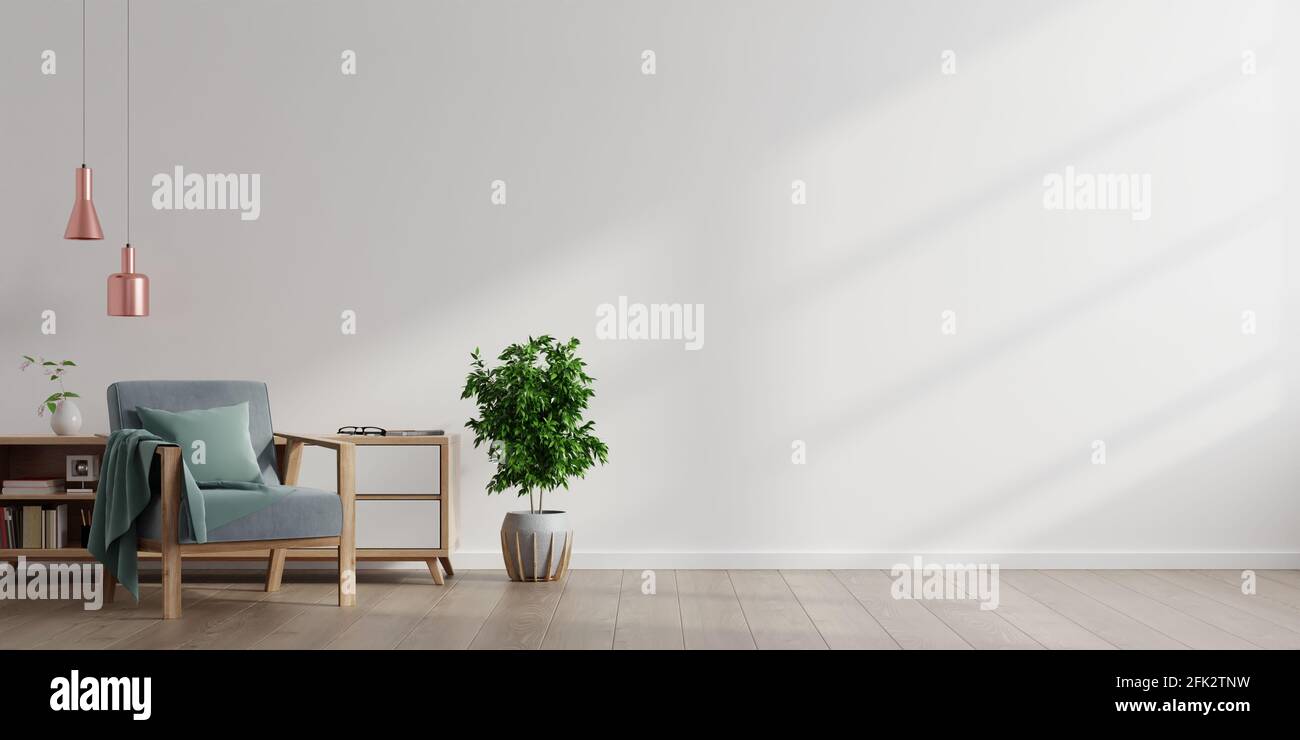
(434, 571)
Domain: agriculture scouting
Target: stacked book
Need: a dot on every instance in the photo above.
(29, 486)
(33, 527)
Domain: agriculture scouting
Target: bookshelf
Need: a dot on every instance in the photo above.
(47, 553)
(56, 497)
(45, 456)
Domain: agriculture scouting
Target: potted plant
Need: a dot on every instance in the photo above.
(530, 410)
(65, 417)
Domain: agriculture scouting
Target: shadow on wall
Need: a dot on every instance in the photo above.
(878, 408)
(913, 238)
(980, 510)
(1228, 500)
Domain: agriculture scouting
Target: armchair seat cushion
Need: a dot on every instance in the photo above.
(301, 512)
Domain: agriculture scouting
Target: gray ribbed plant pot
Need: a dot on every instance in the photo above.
(536, 547)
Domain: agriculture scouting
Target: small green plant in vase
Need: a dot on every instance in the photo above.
(65, 417)
(530, 416)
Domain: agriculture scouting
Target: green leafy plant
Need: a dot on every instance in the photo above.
(54, 371)
(530, 410)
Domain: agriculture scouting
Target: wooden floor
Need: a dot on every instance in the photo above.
(694, 609)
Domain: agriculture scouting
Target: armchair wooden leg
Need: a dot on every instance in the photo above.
(171, 547)
(434, 571)
(275, 569)
(109, 585)
(348, 532)
(171, 583)
(347, 574)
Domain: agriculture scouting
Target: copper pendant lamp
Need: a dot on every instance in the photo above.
(128, 290)
(84, 221)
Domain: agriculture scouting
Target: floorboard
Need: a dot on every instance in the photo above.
(1272, 602)
(1289, 577)
(456, 620)
(842, 620)
(649, 614)
(1286, 620)
(66, 621)
(395, 616)
(1268, 588)
(319, 626)
(588, 612)
(1049, 628)
(249, 626)
(25, 619)
(1107, 623)
(1161, 617)
(520, 618)
(983, 629)
(204, 607)
(776, 619)
(1258, 631)
(907, 621)
(712, 618)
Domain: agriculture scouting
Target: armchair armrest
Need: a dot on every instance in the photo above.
(346, 454)
(344, 450)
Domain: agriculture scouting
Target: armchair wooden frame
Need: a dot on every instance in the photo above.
(172, 550)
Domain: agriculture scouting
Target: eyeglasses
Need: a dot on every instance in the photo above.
(364, 431)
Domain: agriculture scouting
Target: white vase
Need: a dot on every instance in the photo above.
(66, 420)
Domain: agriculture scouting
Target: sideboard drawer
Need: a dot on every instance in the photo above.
(400, 469)
(395, 523)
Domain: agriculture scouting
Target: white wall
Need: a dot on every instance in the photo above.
(822, 321)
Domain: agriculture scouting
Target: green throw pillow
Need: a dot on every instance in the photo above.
(227, 450)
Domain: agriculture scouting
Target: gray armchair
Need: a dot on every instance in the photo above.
(307, 517)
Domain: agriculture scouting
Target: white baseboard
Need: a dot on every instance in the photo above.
(885, 561)
(483, 560)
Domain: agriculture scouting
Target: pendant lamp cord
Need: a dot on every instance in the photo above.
(128, 122)
(83, 83)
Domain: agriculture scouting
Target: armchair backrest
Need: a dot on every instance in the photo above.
(188, 395)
